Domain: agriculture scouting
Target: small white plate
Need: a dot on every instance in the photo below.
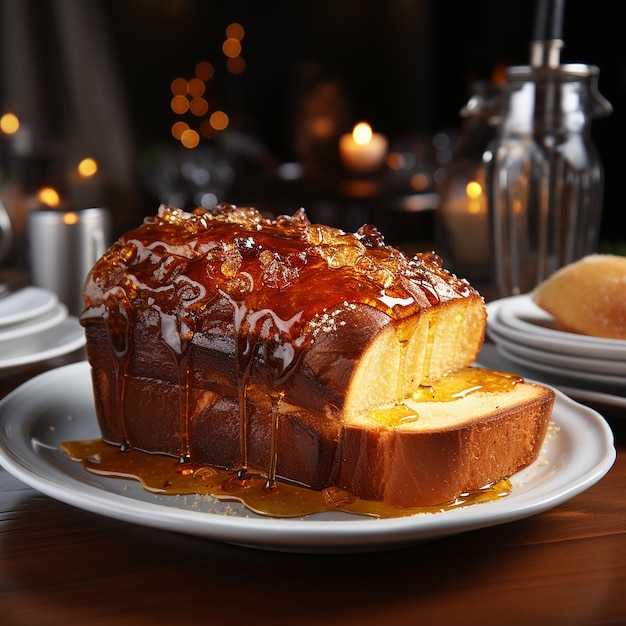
(573, 376)
(26, 303)
(38, 324)
(58, 406)
(608, 371)
(64, 338)
(520, 319)
(565, 362)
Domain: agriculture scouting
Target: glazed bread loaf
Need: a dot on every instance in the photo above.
(303, 353)
(587, 296)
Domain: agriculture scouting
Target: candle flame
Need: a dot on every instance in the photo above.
(476, 204)
(362, 133)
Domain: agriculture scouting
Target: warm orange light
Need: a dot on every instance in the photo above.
(204, 70)
(199, 107)
(178, 128)
(70, 218)
(419, 181)
(473, 189)
(235, 31)
(231, 47)
(180, 104)
(498, 75)
(49, 196)
(87, 167)
(362, 133)
(395, 160)
(322, 127)
(219, 120)
(190, 138)
(236, 65)
(9, 123)
(195, 87)
(179, 86)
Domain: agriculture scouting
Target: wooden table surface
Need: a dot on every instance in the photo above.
(62, 565)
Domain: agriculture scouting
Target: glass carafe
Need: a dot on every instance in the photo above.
(545, 178)
(462, 230)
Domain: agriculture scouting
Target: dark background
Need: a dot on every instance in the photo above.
(406, 66)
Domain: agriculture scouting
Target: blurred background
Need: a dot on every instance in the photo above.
(129, 103)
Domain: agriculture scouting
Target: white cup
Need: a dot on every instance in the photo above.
(63, 247)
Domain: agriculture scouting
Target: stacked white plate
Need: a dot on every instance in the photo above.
(585, 367)
(34, 327)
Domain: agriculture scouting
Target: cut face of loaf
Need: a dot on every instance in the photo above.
(396, 363)
(231, 340)
(450, 448)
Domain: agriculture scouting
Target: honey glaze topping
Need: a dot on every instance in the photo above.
(453, 386)
(165, 475)
(464, 382)
(182, 261)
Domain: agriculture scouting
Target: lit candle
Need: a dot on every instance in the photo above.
(363, 151)
(466, 221)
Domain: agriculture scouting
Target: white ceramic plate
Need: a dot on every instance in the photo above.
(564, 362)
(600, 399)
(606, 381)
(521, 320)
(603, 372)
(42, 322)
(58, 406)
(26, 303)
(64, 338)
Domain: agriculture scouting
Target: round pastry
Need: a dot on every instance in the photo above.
(587, 296)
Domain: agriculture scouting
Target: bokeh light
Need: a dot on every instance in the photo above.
(180, 105)
(87, 167)
(190, 138)
(49, 196)
(9, 123)
(196, 87)
(204, 71)
(178, 128)
(235, 31)
(231, 48)
(179, 87)
(199, 107)
(219, 120)
(236, 65)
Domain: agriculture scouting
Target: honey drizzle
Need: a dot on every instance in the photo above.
(449, 388)
(400, 411)
(183, 363)
(120, 350)
(273, 461)
(245, 353)
(164, 475)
